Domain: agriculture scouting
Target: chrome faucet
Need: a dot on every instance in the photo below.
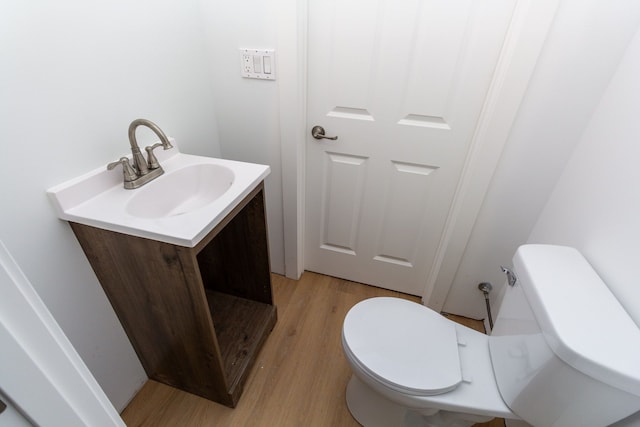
(142, 171)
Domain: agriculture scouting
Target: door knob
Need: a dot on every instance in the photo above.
(318, 133)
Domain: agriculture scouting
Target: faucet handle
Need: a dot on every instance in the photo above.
(152, 160)
(127, 170)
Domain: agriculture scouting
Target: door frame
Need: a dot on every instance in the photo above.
(43, 375)
(528, 31)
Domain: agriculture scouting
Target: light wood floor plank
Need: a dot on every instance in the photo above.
(300, 376)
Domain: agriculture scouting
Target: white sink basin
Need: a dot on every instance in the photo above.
(180, 207)
(181, 191)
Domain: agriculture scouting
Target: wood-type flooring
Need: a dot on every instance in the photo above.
(300, 376)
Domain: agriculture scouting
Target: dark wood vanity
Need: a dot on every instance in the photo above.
(197, 317)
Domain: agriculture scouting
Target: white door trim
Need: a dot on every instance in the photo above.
(40, 371)
(528, 31)
(530, 25)
(292, 84)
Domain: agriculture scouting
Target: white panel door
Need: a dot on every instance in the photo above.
(402, 84)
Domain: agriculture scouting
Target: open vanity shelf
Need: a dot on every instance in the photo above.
(197, 317)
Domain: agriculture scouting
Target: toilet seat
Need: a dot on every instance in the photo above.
(405, 345)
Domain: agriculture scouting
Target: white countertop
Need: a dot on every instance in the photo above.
(98, 199)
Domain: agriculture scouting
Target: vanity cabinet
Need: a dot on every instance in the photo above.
(197, 317)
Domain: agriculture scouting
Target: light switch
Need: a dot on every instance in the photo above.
(257, 64)
(267, 64)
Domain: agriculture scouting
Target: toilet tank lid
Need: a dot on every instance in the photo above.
(580, 318)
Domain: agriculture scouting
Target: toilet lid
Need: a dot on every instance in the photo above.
(405, 345)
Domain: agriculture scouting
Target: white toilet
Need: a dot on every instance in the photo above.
(563, 353)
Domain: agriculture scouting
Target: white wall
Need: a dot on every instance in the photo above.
(595, 206)
(247, 109)
(583, 50)
(73, 76)
(586, 43)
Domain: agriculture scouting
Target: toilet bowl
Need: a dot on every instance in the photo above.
(400, 374)
(413, 367)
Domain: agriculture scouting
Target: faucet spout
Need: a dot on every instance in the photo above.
(142, 171)
(138, 159)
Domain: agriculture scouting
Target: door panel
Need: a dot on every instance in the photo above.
(343, 191)
(408, 187)
(402, 84)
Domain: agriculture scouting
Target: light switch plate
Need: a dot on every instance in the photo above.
(258, 64)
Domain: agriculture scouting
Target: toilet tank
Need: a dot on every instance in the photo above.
(564, 351)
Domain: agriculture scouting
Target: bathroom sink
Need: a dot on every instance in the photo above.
(180, 207)
(181, 191)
